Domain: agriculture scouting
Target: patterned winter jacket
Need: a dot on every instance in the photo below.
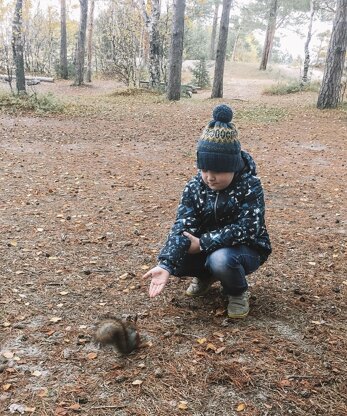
(224, 218)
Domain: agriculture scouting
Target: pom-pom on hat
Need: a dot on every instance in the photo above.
(218, 148)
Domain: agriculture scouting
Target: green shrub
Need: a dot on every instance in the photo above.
(45, 103)
(291, 87)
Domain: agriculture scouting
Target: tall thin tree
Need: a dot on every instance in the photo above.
(152, 25)
(90, 41)
(217, 88)
(176, 51)
(81, 43)
(17, 46)
(330, 92)
(307, 43)
(63, 41)
(214, 30)
(270, 34)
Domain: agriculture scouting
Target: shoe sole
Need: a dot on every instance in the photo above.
(240, 316)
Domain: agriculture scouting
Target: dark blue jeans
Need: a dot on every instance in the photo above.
(229, 265)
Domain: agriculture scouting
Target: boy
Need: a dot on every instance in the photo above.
(219, 233)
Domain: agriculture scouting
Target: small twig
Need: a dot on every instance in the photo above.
(119, 406)
(177, 391)
(189, 335)
(299, 377)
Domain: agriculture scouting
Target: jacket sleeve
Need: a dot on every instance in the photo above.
(176, 247)
(248, 224)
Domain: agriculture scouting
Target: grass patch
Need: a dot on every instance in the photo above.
(39, 103)
(262, 114)
(134, 92)
(291, 87)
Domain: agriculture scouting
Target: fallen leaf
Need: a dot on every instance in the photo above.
(8, 354)
(60, 411)
(36, 373)
(321, 322)
(210, 347)
(29, 409)
(74, 406)
(137, 382)
(311, 263)
(43, 392)
(123, 276)
(13, 243)
(92, 355)
(218, 334)
(183, 405)
(6, 387)
(55, 319)
(284, 383)
(6, 324)
(201, 340)
(19, 272)
(219, 312)
(65, 292)
(241, 407)
(219, 350)
(144, 267)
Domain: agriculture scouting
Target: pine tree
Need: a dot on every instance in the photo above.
(200, 73)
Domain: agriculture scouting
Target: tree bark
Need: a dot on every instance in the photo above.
(176, 52)
(214, 30)
(17, 46)
(270, 34)
(217, 89)
(154, 47)
(330, 92)
(90, 41)
(235, 44)
(63, 41)
(307, 43)
(81, 43)
(152, 27)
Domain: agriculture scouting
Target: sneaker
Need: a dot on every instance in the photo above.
(238, 306)
(198, 287)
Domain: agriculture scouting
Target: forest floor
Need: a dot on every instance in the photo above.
(87, 199)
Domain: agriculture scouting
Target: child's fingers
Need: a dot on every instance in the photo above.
(147, 275)
(155, 290)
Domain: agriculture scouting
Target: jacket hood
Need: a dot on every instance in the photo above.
(250, 165)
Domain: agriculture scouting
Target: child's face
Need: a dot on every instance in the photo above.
(217, 181)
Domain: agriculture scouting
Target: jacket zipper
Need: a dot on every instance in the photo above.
(215, 208)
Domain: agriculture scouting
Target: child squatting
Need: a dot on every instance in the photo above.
(219, 233)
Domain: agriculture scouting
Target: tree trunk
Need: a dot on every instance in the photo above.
(307, 43)
(81, 43)
(154, 47)
(63, 41)
(176, 52)
(17, 47)
(214, 30)
(330, 92)
(235, 44)
(217, 89)
(270, 34)
(90, 41)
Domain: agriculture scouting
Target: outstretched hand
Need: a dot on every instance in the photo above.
(159, 279)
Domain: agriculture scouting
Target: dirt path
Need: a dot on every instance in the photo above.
(86, 203)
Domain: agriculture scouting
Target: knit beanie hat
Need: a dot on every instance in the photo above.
(218, 148)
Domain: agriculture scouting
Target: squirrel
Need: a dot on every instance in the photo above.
(120, 334)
